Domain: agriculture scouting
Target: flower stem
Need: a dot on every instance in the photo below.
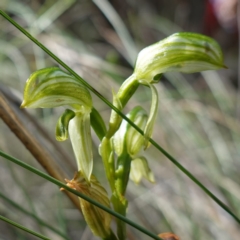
(112, 236)
(23, 228)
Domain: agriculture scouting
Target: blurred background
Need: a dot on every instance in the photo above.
(198, 120)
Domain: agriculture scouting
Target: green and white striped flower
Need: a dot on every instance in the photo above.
(128, 144)
(183, 52)
(52, 87)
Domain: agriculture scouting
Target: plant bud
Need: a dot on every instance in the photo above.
(139, 169)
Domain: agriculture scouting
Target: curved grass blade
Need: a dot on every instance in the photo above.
(23, 228)
(171, 158)
(114, 18)
(40, 221)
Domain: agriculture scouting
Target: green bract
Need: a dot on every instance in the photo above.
(52, 87)
(183, 52)
(97, 219)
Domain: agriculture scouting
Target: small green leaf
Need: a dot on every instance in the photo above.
(62, 125)
(183, 52)
(52, 87)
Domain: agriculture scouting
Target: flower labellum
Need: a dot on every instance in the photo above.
(62, 125)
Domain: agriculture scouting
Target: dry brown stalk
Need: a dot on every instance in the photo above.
(41, 155)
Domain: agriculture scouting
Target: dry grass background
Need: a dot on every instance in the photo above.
(197, 120)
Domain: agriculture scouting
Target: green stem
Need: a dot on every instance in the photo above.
(184, 170)
(119, 201)
(19, 185)
(23, 228)
(40, 221)
(111, 236)
(122, 173)
(108, 161)
(62, 185)
(120, 204)
(127, 89)
(97, 123)
(125, 92)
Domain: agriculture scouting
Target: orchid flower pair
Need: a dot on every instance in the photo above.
(121, 145)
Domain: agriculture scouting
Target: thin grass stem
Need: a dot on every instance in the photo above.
(40, 221)
(114, 18)
(23, 228)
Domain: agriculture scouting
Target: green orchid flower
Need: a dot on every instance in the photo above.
(128, 144)
(52, 87)
(182, 52)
